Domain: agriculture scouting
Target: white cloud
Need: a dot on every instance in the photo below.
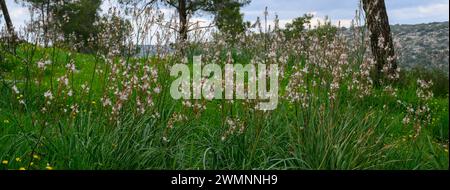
(343, 22)
(434, 9)
(438, 11)
(19, 15)
(200, 22)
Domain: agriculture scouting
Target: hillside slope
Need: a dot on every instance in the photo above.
(423, 45)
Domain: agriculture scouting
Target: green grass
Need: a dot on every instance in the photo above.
(352, 134)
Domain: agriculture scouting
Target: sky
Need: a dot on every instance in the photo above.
(339, 11)
(399, 11)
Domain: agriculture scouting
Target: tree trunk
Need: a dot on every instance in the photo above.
(380, 35)
(8, 21)
(183, 21)
(46, 23)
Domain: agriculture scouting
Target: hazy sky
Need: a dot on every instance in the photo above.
(400, 11)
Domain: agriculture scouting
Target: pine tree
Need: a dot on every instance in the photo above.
(220, 8)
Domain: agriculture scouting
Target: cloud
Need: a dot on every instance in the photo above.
(19, 14)
(423, 13)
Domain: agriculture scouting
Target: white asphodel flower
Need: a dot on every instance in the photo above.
(15, 89)
(157, 90)
(305, 70)
(48, 95)
(41, 65)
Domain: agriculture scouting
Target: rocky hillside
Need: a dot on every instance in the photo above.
(423, 45)
(420, 45)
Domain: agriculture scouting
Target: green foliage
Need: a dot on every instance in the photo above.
(74, 20)
(325, 31)
(229, 20)
(77, 22)
(228, 17)
(297, 27)
(114, 31)
(7, 61)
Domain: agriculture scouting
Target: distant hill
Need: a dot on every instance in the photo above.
(420, 45)
(423, 45)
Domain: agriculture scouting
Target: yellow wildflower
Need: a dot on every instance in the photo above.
(6, 121)
(49, 167)
(22, 168)
(18, 159)
(5, 162)
(35, 156)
